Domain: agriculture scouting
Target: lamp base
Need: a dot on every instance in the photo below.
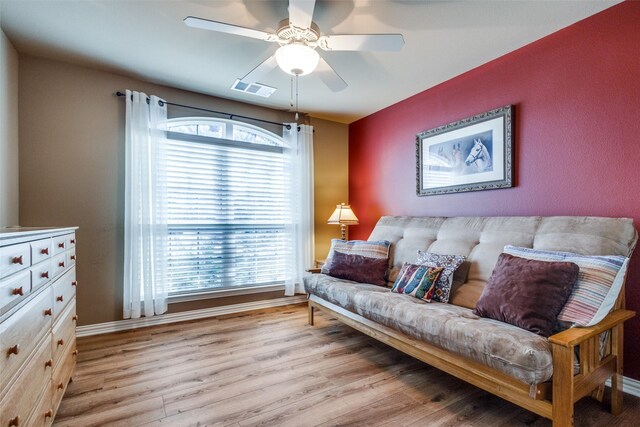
(343, 230)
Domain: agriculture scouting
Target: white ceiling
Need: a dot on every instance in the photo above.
(148, 40)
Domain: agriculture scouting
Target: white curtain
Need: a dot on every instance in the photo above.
(145, 222)
(299, 143)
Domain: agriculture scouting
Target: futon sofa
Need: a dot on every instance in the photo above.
(544, 375)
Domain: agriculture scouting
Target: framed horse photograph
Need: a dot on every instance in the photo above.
(472, 154)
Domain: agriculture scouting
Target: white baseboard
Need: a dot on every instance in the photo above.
(629, 385)
(143, 322)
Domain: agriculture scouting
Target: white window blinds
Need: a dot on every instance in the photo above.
(228, 206)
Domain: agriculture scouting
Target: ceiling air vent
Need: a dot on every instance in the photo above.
(253, 88)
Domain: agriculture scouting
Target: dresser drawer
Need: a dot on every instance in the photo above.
(64, 332)
(14, 258)
(59, 245)
(40, 274)
(20, 333)
(40, 250)
(17, 405)
(14, 289)
(64, 290)
(71, 241)
(62, 374)
(59, 264)
(42, 416)
(71, 257)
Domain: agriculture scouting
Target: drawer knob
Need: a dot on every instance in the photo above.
(49, 413)
(73, 241)
(61, 245)
(17, 260)
(74, 283)
(75, 317)
(44, 274)
(13, 350)
(15, 421)
(44, 251)
(17, 291)
(60, 298)
(60, 386)
(73, 257)
(61, 264)
(48, 363)
(48, 312)
(60, 342)
(75, 352)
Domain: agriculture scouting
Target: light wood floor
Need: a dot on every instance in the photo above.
(271, 368)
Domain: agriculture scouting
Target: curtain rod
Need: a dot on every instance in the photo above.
(231, 116)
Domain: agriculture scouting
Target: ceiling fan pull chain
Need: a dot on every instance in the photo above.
(291, 93)
(297, 75)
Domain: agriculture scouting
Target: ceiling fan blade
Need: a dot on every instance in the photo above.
(221, 27)
(261, 70)
(301, 12)
(375, 42)
(329, 76)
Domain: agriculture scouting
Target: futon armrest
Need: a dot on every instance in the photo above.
(314, 270)
(574, 336)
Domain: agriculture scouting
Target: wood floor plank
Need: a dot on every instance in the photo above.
(205, 334)
(182, 376)
(84, 385)
(210, 347)
(269, 368)
(321, 408)
(383, 411)
(123, 414)
(233, 409)
(244, 384)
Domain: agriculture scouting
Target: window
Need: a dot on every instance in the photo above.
(228, 206)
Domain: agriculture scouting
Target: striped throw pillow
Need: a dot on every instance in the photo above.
(597, 288)
(369, 249)
(417, 280)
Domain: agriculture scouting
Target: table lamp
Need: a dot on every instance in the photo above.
(344, 216)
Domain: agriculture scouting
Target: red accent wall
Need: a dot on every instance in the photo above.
(577, 137)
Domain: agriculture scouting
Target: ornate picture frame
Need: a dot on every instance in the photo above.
(471, 154)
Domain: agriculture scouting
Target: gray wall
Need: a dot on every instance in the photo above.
(72, 168)
(8, 132)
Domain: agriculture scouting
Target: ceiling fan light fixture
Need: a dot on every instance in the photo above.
(297, 59)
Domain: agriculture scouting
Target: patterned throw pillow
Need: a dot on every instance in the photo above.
(449, 263)
(417, 280)
(373, 249)
(597, 288)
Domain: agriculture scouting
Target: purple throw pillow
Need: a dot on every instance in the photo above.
(359, 268)
(527, 293)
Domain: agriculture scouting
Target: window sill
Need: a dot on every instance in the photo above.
(221, 293)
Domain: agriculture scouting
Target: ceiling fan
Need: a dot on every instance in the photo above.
(298, 38)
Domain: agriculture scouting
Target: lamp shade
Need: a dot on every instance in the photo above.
(343, 215)
(297, 59)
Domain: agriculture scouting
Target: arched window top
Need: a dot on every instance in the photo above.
(224, 129)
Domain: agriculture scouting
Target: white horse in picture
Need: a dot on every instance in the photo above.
(479, 157)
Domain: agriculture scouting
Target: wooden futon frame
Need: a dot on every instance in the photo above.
(554, 399)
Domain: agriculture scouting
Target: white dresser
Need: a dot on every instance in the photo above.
(37, 322)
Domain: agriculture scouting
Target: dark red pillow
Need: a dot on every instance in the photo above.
(359, 268)
(527, 293)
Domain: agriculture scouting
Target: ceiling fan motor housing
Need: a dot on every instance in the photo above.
(288, 33)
